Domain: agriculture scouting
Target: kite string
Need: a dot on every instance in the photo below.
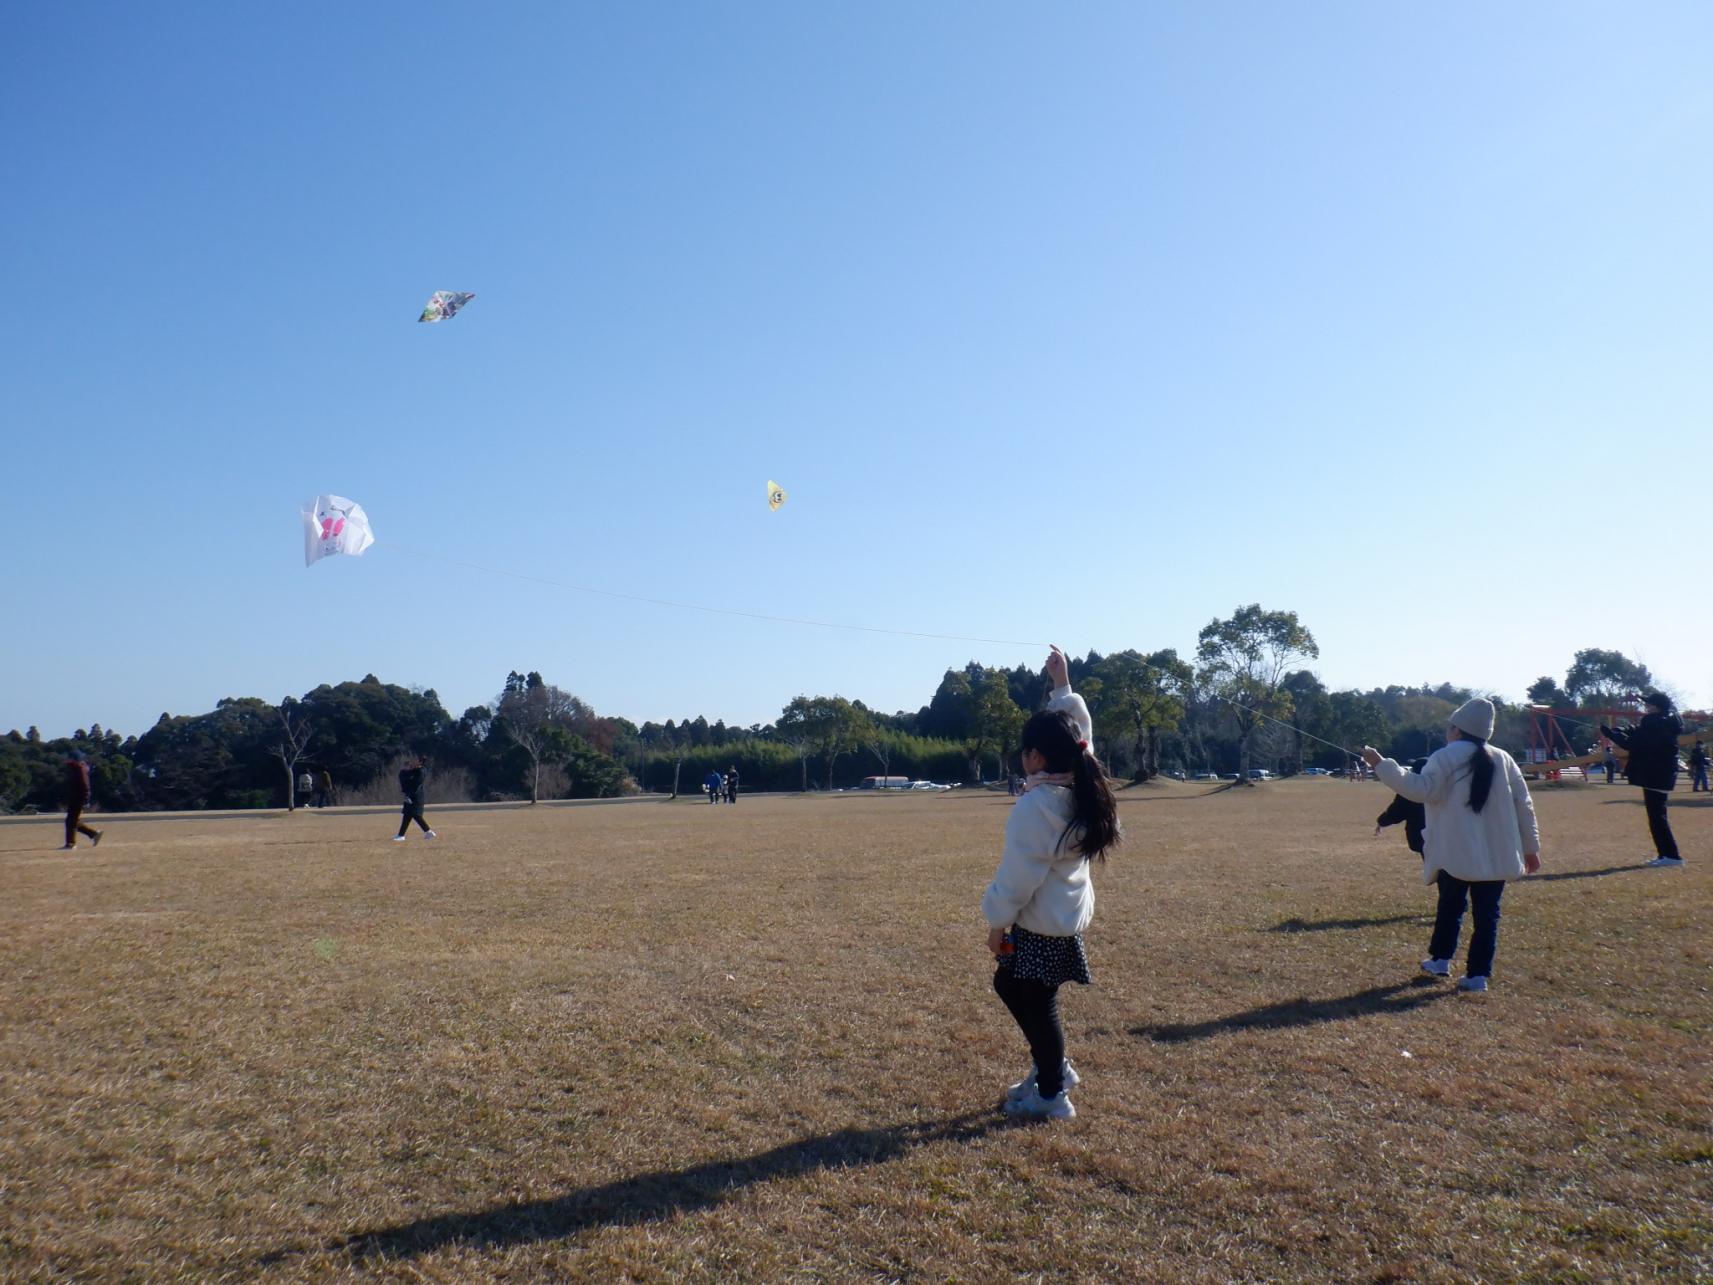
(817, 624)
(713, 611)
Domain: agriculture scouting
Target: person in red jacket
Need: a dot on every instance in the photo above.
(76, 799)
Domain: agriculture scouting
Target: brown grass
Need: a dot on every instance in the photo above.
(673, 1042)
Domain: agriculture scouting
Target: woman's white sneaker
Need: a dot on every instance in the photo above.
(1035, 1107)
(1024, 1087)
(1437, 967)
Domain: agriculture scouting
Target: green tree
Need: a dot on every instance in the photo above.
(1600, 678)
(994, 717)
(1311, 714)
(1354, 720)
(951, 714)
(1546, 691)
(1139, 699)
(1244, 661)
(827, 725)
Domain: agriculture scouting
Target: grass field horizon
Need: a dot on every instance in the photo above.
(677, 1042)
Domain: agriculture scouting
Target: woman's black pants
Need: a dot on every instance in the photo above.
(1665, 843)
(1035, 1008)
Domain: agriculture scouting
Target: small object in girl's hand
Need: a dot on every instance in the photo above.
(1005, 946)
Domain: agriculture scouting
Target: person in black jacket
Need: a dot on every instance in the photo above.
(1652, 744)
(1413, 815)
(411, 783)
(1698, 769)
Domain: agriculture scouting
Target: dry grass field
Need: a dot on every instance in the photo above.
(674, 1042)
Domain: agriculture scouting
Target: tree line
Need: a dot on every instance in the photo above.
(1244, 699)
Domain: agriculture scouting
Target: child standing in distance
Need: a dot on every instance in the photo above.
(411, 784)
(1481, 831)
(1412, 814)
(1042, 898)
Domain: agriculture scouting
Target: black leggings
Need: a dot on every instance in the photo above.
(1035, 1007)
(1665, 843)
(412, 812)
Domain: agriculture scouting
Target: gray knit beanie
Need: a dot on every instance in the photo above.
(1475, 718)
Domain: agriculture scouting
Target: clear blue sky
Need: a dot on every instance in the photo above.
(1084, 323)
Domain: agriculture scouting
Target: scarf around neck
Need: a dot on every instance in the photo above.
(1048, 778)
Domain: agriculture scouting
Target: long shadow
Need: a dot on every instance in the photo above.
(650, 1197)
(1601, 873)
(1328, 925)
(1679, 799)
(1400, 997)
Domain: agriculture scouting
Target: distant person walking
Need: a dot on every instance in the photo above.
(731, 785)
(714, 785)
(305, 788)
(413, 784)
(1477, 837)
(1041, 899)
(1610, 763)
(1698, 769)
(76, 800)
(324, 789)
(1652, 744)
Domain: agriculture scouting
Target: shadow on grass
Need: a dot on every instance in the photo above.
(1556, 875)
(1678, 800)
(651, 1197)
(1328, 925)
(1401, 997)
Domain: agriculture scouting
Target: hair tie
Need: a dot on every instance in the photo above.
(1082, 745)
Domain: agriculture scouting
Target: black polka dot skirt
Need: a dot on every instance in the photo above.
(1052, 961)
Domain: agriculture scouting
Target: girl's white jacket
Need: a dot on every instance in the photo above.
(1475, 846)
(1041, 885)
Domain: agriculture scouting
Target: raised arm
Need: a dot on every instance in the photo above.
(1063, 698)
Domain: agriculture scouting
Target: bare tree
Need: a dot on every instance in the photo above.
(540, 719)
(295, 734)
(880, 746)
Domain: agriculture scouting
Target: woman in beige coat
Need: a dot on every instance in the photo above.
(1481, 831)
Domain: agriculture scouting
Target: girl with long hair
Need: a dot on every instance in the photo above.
(1481, 831)
(1041, 899)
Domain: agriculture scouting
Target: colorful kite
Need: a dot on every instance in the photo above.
(443, 305)
(775, 496)
(334, 525)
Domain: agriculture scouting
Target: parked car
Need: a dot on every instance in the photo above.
(1204, 776)
(928, 785)
(1260, 774)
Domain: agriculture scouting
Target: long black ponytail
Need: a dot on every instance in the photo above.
(1481, 773)
(1094, 817)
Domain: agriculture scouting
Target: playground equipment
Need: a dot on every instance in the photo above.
(1550, 751)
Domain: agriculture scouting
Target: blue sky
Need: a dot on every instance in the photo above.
(1084, 323)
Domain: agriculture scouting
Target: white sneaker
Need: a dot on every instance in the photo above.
(1475, 984)
(1437, 967)
(431, 835)
(1024, 1087)
(1036, 1107)
(1666, 861)
(398, 838)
